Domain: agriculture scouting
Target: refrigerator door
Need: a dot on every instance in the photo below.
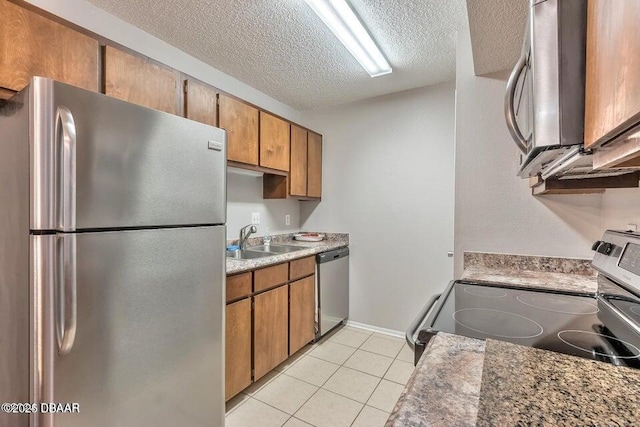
(145, 346)
(102, 163)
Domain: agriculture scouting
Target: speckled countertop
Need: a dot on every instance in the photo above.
(568, 274)
(465, 381)
(331, 241)
(528, 386)
(445, 387)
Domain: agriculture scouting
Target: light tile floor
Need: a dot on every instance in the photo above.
(351, 378)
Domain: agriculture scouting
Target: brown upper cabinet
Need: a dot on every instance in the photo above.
(274, 142)
(240, 120)
(200, 102)
(32, 45)
(298, 174)
(305, 178)
(140, 81)
(612, 97)
(314, 177)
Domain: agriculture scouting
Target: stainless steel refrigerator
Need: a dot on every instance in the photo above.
(112, 263)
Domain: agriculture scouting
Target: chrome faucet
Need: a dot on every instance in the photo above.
(244, 235)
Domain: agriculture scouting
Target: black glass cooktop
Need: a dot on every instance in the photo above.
(561, 322)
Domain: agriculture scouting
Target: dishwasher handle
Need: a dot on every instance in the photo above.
(332, 255)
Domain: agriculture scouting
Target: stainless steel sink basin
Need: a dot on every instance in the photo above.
(248, 254)
(277, 249)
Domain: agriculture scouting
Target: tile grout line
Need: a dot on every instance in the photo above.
(329, 339)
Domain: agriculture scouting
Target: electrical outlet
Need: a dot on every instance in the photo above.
(255, 218)
(287, 219)
(632, 227)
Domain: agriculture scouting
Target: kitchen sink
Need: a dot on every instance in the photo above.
(248, 254)
(275, 249)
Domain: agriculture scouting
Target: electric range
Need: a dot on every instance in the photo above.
(604, 326)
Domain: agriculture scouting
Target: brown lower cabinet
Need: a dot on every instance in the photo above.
(238, 347)
(301, 313)
(263, 328)
(270, 330)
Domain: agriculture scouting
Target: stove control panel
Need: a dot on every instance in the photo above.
(617, 256)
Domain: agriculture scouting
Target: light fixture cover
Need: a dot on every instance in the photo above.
(344, 23)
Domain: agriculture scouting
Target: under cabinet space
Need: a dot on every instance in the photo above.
(237, 347)
(269, 277)
(238, 286)
(270, 330)
(302, 267)
(302, 313)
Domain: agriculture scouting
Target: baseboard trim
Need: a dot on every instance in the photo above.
(385, 331)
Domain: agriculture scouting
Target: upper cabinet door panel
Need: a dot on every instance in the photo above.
(314, 184)
(31, 45)
(240, 120)
(613, 69)
(200, 102)
(274, 142)
(298, 175)
(140, 81)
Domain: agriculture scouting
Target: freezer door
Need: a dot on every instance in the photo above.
(146, 344)
(99, 162)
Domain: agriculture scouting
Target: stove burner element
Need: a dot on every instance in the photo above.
(500, 323)
(558, 303)
(578, 339)
(485, 292)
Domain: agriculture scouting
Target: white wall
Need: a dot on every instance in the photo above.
(244, 196)
(240, 199)
(388, 181)
(621, 207)
(494, 209)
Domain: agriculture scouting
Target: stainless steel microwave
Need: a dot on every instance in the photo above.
(544, 103)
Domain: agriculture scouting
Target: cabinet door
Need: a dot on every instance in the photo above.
(270, 330)
(314, 185)
(240, 120)
(31, 45)
(302, 306)
(298, 174)
(613, 69)
(200, 102)
(140, 81)
(274, 142)
(237, 347)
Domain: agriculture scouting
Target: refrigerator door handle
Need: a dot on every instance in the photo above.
(66, 294)
(65, 135)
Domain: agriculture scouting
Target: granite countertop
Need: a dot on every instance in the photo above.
(331, 241)
(445, 387)
(566, 274)
(528, 386)
(469, 382)
(465, 381)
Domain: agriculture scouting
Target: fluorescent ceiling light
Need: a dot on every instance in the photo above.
(343, 22)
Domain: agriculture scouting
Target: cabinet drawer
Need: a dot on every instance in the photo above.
(238, 286)
(271, 276)
(302, 267)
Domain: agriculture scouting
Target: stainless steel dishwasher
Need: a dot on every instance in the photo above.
(333, 289)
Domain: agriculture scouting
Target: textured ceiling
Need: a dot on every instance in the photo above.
(283, 49)
(497, 28)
